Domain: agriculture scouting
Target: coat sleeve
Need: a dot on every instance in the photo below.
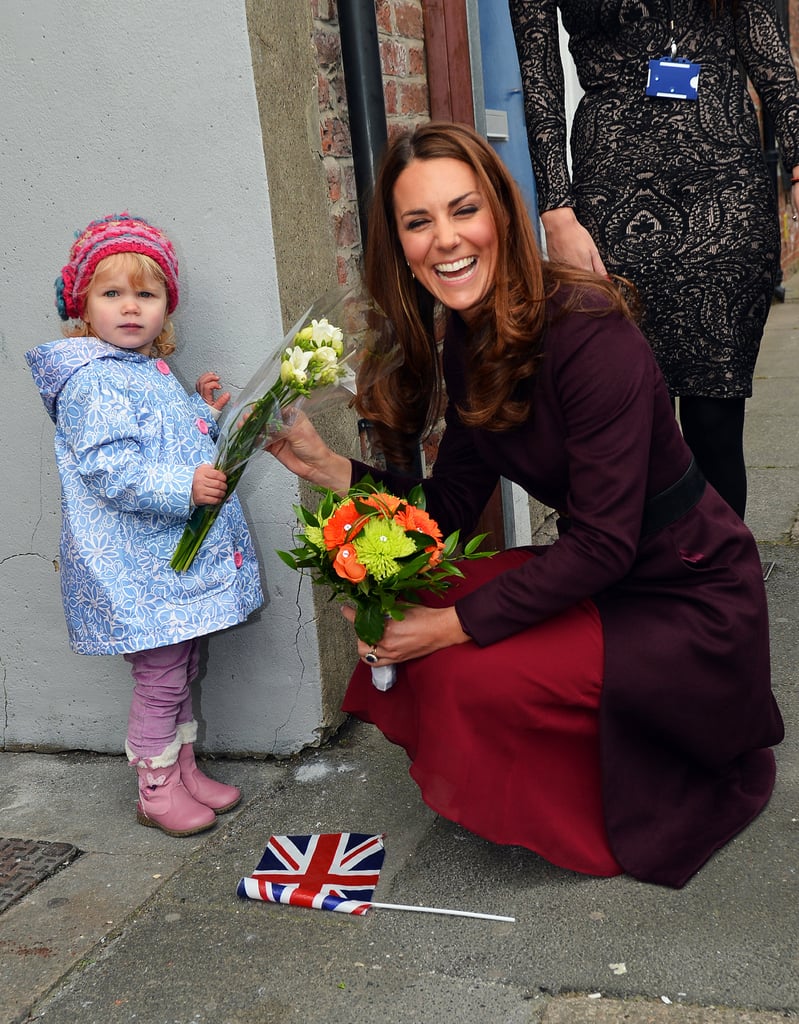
(459, 486)
(205, 412)
(597, 391)
(100, 428)
(766, 55)
(535, 28)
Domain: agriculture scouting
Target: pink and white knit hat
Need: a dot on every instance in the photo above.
(113, 234)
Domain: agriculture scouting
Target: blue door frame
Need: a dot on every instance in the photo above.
(502, 87)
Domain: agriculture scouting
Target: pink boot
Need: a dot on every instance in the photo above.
(216, 795)
(165, 803)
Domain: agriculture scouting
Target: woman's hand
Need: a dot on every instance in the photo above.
(422, 631)
(208, 486)
(569, 242)
(207, 384)
(302, 451)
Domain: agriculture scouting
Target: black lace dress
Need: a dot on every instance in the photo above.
(675, 193)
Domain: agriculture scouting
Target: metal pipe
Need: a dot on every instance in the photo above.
(363, 79)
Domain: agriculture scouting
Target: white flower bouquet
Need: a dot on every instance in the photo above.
(314, 361)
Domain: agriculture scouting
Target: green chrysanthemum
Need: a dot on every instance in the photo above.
(314, 536)
(379, 545)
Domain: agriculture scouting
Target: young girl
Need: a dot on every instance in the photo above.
(135, 453)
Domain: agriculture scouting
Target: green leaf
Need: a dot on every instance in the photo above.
(472, 546)
(416, 497)
(370, 623)
(305, 516)
(289, 559)
(327, 504)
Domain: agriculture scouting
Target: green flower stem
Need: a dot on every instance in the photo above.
(195, 532)
(241, 442)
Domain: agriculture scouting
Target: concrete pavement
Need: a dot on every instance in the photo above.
(148, 929)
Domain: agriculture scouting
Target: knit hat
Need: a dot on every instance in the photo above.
(113, 234)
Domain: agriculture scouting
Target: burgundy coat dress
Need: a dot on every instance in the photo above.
(687, 715)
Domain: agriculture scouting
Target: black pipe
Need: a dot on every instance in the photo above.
(363, 79)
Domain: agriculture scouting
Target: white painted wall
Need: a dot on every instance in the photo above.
(146, 106)
(572, 90)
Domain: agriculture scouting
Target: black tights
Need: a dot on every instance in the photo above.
(713, 429)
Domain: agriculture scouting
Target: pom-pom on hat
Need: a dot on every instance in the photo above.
(113, 234)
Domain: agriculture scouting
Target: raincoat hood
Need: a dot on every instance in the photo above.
(55, 362)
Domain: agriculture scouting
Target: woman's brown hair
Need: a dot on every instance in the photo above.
(505, 336)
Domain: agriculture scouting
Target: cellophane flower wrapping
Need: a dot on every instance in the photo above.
(314, 366)
(377, 552)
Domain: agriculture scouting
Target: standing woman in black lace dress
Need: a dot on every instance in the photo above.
(671, 193)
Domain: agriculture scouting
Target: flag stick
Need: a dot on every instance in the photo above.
(438, 910)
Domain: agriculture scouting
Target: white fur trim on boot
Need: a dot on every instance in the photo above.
(167, 756)
(187, 732)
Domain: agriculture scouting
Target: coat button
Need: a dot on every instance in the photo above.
(202, 426)
(162, 367)
(238, 559)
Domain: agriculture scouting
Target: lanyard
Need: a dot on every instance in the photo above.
(672, 40)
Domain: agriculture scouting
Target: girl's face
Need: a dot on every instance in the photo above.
(447, 231)
(125, 312)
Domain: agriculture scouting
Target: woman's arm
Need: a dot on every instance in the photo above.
(422, 631)
(595, 406)
(569, 242)
(303, 452)
(535, 27)
(765, 53)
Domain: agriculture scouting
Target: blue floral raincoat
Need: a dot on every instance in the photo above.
(128, 439)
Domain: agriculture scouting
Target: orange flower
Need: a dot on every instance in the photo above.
(435, 555)
(347, 565)
(386, 503)
(342, 526)
(413, 518)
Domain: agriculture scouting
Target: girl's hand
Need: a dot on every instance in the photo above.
(207, 384)
(569, 242)
(209, 485)
(422, 631)
(302, 451)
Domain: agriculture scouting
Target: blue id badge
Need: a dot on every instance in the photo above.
(673, 79)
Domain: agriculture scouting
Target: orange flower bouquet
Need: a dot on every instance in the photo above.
(377, 552)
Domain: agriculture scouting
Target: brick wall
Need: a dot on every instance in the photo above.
(402, 56)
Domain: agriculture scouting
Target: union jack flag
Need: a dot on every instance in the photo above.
(331, 871)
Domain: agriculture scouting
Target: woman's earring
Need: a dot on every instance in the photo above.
(408, 265)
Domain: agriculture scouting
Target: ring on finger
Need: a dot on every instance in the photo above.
(372, 657)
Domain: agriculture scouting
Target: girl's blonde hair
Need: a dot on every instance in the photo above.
(139, 268)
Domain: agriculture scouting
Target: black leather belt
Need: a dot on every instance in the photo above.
(668, 506)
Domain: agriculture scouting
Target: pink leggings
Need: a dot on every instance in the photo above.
(161, 696)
